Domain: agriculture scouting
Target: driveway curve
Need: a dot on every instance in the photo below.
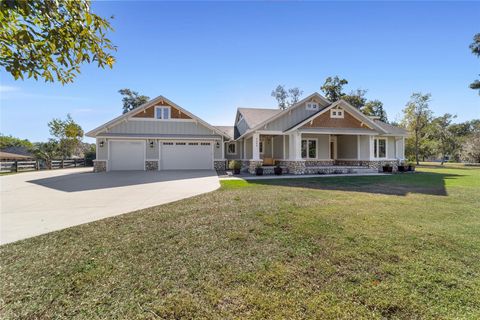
(35, 203)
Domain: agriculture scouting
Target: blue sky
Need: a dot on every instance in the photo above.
(213, 57)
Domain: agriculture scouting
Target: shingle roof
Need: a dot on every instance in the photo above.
(254, 116)
(229, 130)
(390, 129)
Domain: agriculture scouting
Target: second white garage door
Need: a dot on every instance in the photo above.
(186, 155)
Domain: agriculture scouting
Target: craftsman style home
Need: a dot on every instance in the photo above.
(314, 135)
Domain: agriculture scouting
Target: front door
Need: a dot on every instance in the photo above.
(333, 147)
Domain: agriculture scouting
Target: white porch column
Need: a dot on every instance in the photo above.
(256, 146)
(295, 146)
(371, 148)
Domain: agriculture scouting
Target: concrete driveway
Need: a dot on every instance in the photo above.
(34, 203)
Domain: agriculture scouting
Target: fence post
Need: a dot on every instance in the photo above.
(74, 163)
(37, 165)
(62, 165)
(16, 165)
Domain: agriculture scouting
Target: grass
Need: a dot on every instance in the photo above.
(401, 246)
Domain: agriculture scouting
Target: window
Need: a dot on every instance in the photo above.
(309, 148)
(204, 143)
(180, 143)
(162, 113)
(168, 143)
(380, 148)
(260, 147)
(312, 106)
(193, 143)
(336, 113)
(231, 148)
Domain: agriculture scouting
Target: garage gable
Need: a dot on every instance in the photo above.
(149, 112)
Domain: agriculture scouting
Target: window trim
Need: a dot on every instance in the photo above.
(228, 148)
(311, 106)
(376, 152)
(316, 148)
(336, 115)
(163, 107)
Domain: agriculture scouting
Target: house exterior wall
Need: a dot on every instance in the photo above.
(249, 150)
(150, 112)
(102, 152)
(289, 119)
(160, 127)
(267, 147)
(323, 148)
(217, 150)
(364, 148)
(242, 126)
(238, 150)
(325, 121)
(152, 153)
(347, 147)
(278, 147)
(391, 148)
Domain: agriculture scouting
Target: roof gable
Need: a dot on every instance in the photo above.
(349, 109)
(158, 100)
(324, 120)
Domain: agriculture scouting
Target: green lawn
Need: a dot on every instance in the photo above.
(401, 246)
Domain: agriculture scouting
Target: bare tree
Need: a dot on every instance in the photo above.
(281, 95)
(295, 94)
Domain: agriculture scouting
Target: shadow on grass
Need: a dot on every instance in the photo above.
(398, 184)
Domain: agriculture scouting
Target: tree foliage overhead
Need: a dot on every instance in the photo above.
(68, 135)
(333, 88)
(131, 99)
(286, 98)
(475, 47)
(374, 108)
(356, 98)
(51, 39)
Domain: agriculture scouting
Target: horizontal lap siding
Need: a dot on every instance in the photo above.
(289, 119)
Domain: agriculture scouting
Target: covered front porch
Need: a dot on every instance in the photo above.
(309, 152)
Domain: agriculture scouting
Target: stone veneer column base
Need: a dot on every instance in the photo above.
(99, 165)
(295, 166)
(252, 165)
(151, 165)
(220, 165)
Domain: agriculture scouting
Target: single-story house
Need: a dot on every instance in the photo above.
(313, 133)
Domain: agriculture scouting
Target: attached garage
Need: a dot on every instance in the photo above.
(182, 155)
(126, 155)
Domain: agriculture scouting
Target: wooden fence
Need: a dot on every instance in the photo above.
(33, 165)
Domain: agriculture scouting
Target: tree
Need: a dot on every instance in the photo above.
(475, 47)
(333, 87)
(68, 135)
(47, 151)
(294, 94)
(356, 98)
(281, 95)
(374, 108)
(417, 116)
(9, 141)
(442, 136)
(471, 148)
(131, 99)
(51, 39)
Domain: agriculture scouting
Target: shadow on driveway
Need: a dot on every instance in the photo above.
(93, 181)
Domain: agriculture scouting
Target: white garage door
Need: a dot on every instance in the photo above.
(187, 155)
(127, 155)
